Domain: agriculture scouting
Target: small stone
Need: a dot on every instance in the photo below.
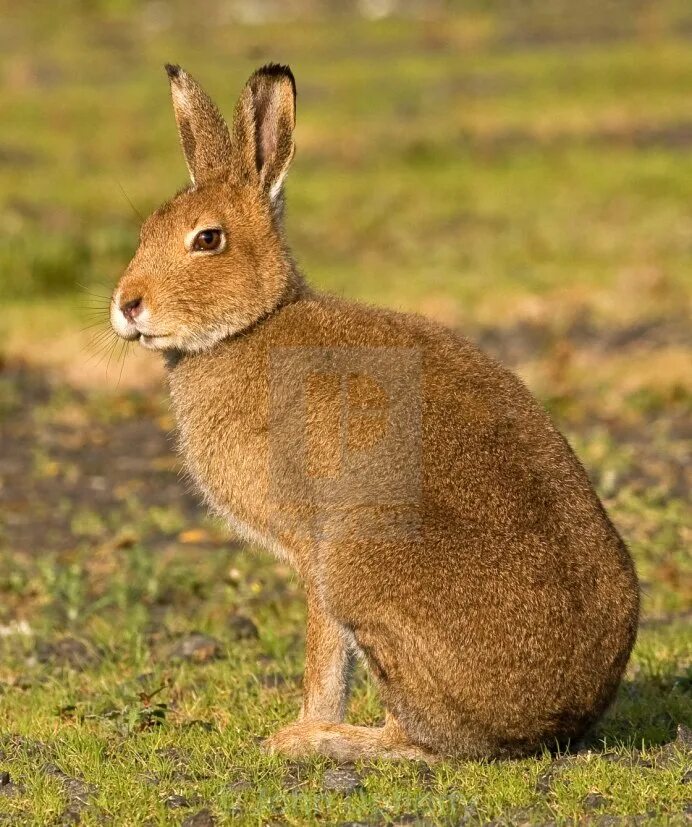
(174, 802)
(544, 781)
(66, 651)
(543, 784)
(424, 773)
(18, 745)
(173, 754)
(611, 757)
(594, 801)
(77, 792)
(240, 785)
(7, 785)
(684, 737)
(197, 648)
(667, 755)
(636, 759)
(523, 816)
(242, 627)
(203, 818)
(294, 777)
(469, 815)
(341, 780)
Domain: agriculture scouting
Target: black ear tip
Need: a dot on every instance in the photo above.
(276, 70)
(173, 70)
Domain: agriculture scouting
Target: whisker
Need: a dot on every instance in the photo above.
(95, 311)
(103, 352)
(99, 355)
(107, 330)
(105, 297)
(101, 345)
(99, 337)
(92, 325)
(127, 198)
(124, 353)
(110, 355)
(92, 296)
(95, 308)
(84, 286)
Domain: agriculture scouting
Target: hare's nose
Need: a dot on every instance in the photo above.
(131, 309)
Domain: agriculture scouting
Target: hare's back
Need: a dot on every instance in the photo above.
(493, 487)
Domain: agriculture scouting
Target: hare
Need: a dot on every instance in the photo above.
(445, 532)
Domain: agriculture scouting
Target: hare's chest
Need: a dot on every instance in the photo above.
(229, 468)
(226, 457)
(224, 443)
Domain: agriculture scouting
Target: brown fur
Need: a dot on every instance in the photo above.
(469, 562)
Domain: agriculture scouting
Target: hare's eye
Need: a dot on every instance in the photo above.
(208, 241)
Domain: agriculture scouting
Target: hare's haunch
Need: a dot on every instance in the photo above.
(443, 528)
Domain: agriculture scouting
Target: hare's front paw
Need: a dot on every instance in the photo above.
(291, 741)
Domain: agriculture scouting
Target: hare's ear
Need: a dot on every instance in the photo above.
(203, 132)
(263, 128)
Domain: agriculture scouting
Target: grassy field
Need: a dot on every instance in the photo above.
(524, 175)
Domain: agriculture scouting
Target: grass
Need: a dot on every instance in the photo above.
(520, 174)
(137, 722)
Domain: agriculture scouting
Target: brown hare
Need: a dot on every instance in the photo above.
(443, 528)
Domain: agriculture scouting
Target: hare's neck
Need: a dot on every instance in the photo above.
(297, 287)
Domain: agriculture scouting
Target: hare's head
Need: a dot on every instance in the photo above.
(211, 261)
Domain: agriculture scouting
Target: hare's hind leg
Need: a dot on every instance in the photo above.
(345, 742)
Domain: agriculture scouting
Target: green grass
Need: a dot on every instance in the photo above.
(523, 174)
(99, 724)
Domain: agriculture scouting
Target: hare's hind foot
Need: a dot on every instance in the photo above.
(345, 742)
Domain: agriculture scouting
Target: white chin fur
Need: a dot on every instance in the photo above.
(191, 341)
(157, 342)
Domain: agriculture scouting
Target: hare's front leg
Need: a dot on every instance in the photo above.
(328, 662)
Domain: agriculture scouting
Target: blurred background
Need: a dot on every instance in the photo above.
(521, 171)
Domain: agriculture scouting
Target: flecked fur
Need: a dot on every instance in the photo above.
(486, 589)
